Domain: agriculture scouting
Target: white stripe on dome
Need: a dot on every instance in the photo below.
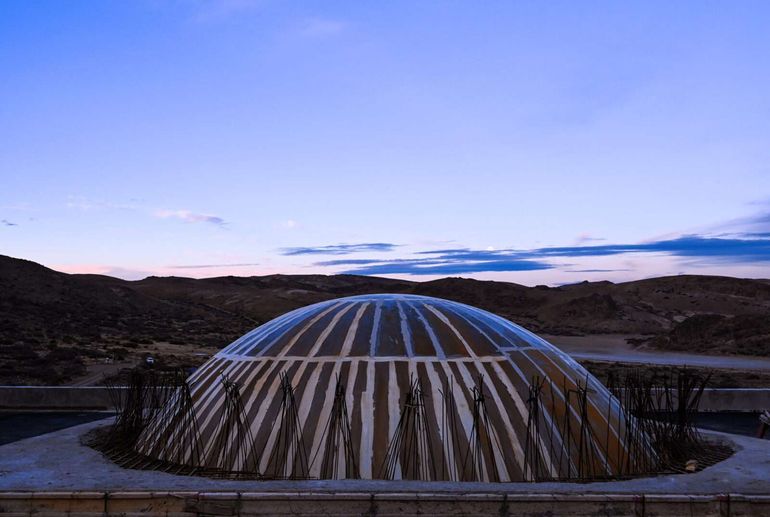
(299, 334)
(367, 433)
(394, 411)
(440, 315)
(348, 343)
(406, 335)
(328, 330)
(374, 339)
(429, 329)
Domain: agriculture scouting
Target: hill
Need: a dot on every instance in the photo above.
(53, 324)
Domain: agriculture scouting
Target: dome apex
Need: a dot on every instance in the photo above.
(386, 326)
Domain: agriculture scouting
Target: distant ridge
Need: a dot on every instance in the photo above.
(45, 314)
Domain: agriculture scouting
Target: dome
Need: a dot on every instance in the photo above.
(394, 386)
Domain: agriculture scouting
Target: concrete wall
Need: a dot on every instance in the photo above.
(55, 397)
(735, 399)
(189, 504)
(97, 397)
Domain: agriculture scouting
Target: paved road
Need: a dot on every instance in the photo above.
(614, 348)
(729, 362)
(15, 426)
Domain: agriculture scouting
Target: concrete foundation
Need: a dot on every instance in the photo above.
(55, 475)
(735, 399)
(380, 504)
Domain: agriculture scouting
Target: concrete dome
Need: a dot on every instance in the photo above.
(394, 387)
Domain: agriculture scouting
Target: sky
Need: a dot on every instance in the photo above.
(532, 142)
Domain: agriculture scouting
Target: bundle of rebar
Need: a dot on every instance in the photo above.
(339, 458)
(648, 427)
(664, 410)
(288, 458)
(410, 447)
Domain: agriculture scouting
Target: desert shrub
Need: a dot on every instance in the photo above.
(18, 352)
(62, 354)
(118, 352)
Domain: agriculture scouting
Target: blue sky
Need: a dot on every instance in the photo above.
(524, 141)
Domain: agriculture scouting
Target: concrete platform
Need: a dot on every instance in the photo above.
(56, 475)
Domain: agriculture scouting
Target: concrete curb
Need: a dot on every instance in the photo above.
(186, 503)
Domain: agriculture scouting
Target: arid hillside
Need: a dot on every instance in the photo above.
(53, 324)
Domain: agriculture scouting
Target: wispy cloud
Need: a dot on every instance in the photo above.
(595, 270)
(439, 267)
(6, 222)
(750, 248)
(86, 204)
(339, 249)
(443, 262)
(751, 224)
(350, 262)
(704, 250)
(211, 266)
(190, 217)
(585, 238)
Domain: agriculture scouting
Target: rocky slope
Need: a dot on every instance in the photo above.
(52, 323)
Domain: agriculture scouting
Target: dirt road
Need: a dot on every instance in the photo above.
(96, 372)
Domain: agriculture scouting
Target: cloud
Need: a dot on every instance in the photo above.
(86, 205)
(584, 238)
(754, 223)
(349, 262)
(443, 262)
(595, 270)
(6, 222)
(190, 217)
(339, 249)
(750, 248)
(208, 266)
(700, 250)
(759, 222)
(418, 267)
